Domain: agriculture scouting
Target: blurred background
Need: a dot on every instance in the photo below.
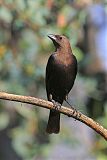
(24, 51)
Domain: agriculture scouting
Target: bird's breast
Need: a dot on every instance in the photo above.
(63, 59)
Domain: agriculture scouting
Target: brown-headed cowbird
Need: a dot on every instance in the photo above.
(61, 72)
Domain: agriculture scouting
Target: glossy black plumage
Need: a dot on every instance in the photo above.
(61, 72)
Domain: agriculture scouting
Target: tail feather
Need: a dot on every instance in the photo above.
(53, 125)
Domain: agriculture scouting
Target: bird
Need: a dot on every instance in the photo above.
(61, 71)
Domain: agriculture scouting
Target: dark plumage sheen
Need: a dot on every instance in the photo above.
(61, 72)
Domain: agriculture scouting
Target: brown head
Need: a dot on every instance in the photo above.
(60, 42)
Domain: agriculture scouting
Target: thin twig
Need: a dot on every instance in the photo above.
(67, 111)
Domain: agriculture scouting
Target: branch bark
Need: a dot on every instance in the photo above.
(64, 110)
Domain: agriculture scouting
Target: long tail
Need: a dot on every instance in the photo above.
(53, 125)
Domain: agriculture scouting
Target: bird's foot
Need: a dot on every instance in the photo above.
(74, 109)
(75, 112)
(56, 105)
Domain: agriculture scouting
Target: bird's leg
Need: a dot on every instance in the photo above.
(74, 109)
(66, 97)
(75, 112)
(56, 105)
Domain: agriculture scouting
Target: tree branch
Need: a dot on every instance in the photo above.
(67, 111)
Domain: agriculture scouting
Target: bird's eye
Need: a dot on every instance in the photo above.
(60, 38)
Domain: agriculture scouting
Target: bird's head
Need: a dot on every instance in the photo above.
(60, 41)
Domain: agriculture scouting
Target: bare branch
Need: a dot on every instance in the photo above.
(67, 111)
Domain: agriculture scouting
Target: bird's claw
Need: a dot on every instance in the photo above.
(56, 105)
(74, 111)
